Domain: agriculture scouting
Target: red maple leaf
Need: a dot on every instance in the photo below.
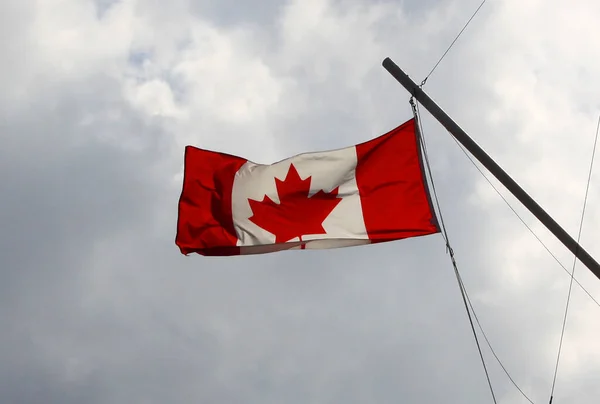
(297, 214)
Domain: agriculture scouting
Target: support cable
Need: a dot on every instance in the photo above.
(449, 249)
(452, 44)
(463, 289)
(562, 333)
(525, 223)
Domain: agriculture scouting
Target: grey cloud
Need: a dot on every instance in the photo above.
(97, 305)
(231, 13)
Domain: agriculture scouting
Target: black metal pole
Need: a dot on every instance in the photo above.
(491, 165)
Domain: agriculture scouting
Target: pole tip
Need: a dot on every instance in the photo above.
(388, 63)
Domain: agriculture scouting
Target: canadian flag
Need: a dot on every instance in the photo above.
(372, 192)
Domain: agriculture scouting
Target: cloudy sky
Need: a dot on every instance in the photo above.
(98, 99)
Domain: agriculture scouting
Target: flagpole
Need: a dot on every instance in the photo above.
(477, 152)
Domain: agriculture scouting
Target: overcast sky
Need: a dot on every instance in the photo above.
(98, 99)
